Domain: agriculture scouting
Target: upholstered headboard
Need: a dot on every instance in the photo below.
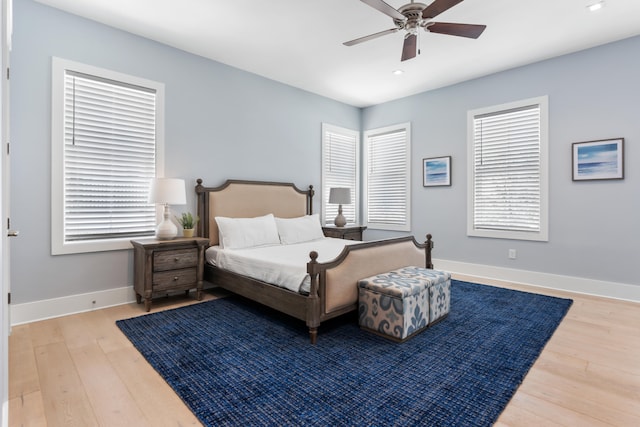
(247, 199)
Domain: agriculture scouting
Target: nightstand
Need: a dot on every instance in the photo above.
(161, 266)
(348, 232)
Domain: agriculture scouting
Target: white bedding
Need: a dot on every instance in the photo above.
(282, 265)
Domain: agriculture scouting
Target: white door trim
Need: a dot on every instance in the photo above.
(5, 48)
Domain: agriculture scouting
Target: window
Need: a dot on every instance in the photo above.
(340, 159)
(508, 171)
(388, 178)
(107, 133)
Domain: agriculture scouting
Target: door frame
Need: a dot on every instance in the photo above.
(5, 48)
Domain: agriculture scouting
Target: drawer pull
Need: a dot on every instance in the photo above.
(176, 259)
(175, 279)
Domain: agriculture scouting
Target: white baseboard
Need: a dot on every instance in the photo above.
(56, 307)
(580, 285)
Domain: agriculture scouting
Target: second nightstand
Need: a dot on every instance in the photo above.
(167, 265)
(348, 232)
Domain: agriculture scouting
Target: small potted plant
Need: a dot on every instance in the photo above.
(188, 223)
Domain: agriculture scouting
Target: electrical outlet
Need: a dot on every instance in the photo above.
(512, 254)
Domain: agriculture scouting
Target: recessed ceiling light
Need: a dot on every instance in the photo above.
(397, 72)
(595, 6)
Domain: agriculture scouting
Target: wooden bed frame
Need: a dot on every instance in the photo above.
(333, 289)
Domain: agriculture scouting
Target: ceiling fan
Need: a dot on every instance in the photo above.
(413, 16)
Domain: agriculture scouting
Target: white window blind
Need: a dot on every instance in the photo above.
(507, 170)
(340, 158)
(109, 158)
(388, 175)
(109, 153)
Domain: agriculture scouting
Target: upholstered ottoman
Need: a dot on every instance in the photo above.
(400, 303)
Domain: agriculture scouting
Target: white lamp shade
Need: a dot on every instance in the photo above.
(340, 196)
(170, 191)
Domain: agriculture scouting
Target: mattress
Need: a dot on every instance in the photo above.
(281, 265)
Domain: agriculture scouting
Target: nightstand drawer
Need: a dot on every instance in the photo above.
(349, 232)
(352, 235)
(173, 279)
(175, 259)
(335, 233)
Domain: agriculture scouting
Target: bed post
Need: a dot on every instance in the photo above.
(313, 301)
(429, 244)
(310, 194)
(201, 231)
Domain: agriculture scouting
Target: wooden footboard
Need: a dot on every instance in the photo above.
(334, 284)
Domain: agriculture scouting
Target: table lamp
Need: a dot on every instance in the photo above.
(340, 196)
(167, 191)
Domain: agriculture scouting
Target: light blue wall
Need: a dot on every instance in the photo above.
(594, 226)
(220, 123)
(225, 123)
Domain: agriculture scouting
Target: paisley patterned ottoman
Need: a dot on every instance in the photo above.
(403, 302)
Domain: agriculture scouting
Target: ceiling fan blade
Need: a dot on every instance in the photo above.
(437, 7)
(385, 8)
(410, 47)
(370, 37)
(463, 30)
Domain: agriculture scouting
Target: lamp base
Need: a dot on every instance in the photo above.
(166, 230)
(340, 220)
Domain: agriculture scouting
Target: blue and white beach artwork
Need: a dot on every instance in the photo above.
(436, 172)
(598, 161)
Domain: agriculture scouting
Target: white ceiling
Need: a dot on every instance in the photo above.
(299, 42)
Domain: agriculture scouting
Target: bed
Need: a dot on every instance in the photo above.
(332, 289)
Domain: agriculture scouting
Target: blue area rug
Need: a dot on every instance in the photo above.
(234, 362)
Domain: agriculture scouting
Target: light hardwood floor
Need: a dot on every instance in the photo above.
(80, 370)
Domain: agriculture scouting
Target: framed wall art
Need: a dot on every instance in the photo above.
(436, 171)
(594, 160)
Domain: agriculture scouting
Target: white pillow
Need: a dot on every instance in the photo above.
(298, 230)
(238, 233)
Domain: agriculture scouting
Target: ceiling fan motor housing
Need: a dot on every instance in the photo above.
(413, 14)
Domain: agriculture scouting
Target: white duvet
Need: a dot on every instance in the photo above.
(282, 265)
